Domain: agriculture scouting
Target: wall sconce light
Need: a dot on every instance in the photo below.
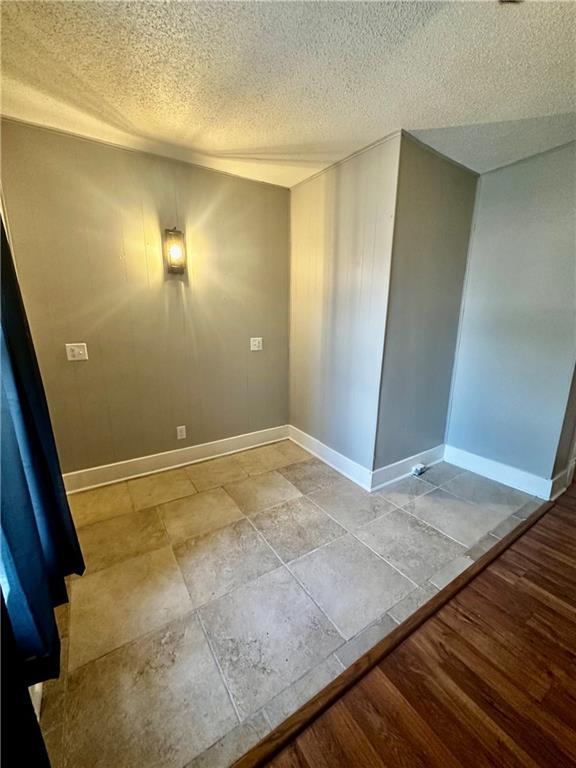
(174, 251)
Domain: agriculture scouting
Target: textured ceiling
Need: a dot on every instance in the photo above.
(278, 90)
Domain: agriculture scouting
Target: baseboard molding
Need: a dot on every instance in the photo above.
(571, 472)
(350, 469)
(123, 470)
(35, 692)
(562, 480)
(398, 470)
(94, 477)
(541, 487)
(535, 485)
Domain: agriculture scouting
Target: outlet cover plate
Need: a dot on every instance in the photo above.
(256, 344)
(76, 351)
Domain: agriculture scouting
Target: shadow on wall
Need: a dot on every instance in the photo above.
(162, 352)
(341, 243)
(486, 146)
(326, 361)
(274, 63)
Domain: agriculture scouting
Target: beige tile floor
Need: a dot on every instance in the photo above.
(221, 596)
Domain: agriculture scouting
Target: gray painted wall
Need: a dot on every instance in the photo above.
(342, 225)
(517, 344)
(431, 234)
(86, 222)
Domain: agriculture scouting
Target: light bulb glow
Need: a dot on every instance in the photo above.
(175, 254)
(174, 251)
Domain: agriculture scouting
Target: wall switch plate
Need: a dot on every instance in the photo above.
(256, 344)
(181, 432)
(77, 351)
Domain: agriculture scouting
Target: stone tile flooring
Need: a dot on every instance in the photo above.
(221, 596)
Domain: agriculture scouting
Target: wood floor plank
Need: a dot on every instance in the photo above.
(456, 718)
(552, 591)
(561, 701)
(347, 744)
(566, 513)
(487, 681)
(550, 596)
(539, 732)
(560, 634)
(508, 656)
(558, 542)
(291, 757)
(556, 657)
(558, 532)
(559, 525)
(393, 726)
(539, 552)
(540, 652)
(509, 568)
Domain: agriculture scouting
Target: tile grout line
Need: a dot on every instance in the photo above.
(303, 586)
(337, 658)
(265, 715)
(347, 532)
(477, 503)
(285, 565)
(458, 498)
(404, 509)
(273, 506)
(404, 575)
(198, 608)
(282, 564)
(213, 652)
(132, 641)
(242, 519)
(331, 655)
(351, 533)
(385, 615)
(301, 495)
(380, 517)
(310, 552)
(433, 527)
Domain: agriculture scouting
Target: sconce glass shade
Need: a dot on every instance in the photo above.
(174, 251)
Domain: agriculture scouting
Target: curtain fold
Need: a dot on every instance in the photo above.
(22, 743)
(38, 539)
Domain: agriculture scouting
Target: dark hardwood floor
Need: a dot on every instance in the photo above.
(488, 680)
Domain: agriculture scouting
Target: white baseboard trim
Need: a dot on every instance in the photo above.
(535, 485)
(392, 472)
(571, 471)
(562, 480)
(365, 478)
(541, 487)
(93, 477)
(35, 692)
(350, 469)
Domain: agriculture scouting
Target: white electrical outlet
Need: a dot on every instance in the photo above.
(256, 344)
(77, 351)
(181, 432)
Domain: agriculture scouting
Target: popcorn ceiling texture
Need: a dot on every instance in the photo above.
(278, 90)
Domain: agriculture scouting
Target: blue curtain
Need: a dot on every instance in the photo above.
(22, 742)
(38, 540)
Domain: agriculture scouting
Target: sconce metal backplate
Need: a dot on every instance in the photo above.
(174, 251)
